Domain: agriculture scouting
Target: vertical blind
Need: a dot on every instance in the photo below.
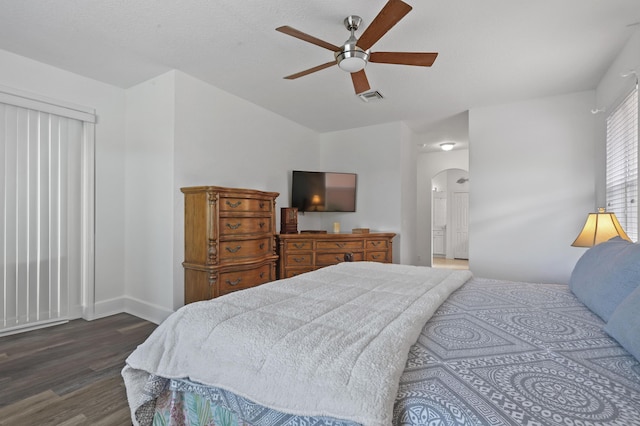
(622, 163)
(41, 215)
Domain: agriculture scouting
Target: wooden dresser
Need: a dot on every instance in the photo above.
(306, 252)
(229, 240)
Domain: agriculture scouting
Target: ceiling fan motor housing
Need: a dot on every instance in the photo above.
(350, 57)
(352, 23)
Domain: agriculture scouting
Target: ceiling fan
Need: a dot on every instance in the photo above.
(354, 54)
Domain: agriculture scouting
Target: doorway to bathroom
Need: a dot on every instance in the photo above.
(450, 219)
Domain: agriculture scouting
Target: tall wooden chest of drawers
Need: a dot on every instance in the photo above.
(229, 240)
(304, 252)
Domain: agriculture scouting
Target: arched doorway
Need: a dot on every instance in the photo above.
(450, 219)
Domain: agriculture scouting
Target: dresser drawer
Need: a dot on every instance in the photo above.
(377, 244)
(239, 204)
(299, 245)
(301, 253)
(376, 256)
(299, 259)
(339, 245)
(244, 225)
(243, 249)
(293, 272)
(326, 259)
(238, 280)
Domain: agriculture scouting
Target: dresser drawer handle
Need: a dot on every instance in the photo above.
(375, 243)
(340, 245)
(262, 274)
(233, 205)
(233, 250)
(299, 245)
(236, 226)
(338, 259)
(299, 259)
(261, 246)
(236, 282)
(375, 256)
(261, 225)
(262, 204)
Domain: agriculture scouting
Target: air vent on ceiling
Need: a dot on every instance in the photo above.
(372, 95)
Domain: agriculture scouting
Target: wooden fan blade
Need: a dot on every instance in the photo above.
(391, 13)
(404, 58)
(306, 37)
(360, 82)
(310, 70)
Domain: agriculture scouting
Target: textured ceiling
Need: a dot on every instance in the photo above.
(490, 51)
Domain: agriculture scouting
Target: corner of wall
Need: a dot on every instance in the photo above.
(150, 138)
(139, 308)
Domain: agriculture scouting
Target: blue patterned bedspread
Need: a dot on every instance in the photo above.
(495, 353)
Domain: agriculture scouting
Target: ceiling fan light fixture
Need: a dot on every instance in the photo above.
(352, 60)
(447, 146)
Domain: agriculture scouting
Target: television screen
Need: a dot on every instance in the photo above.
(323, 191)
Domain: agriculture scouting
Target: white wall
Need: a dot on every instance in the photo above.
(429, 164)
(108, 101)
(408, 200)
(374, 153)
(613, 85)
(532, 186)
(150, 127)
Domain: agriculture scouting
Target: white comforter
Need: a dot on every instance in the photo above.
(333, 342)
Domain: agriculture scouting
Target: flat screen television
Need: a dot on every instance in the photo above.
(323, 191)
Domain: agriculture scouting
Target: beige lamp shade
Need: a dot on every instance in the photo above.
(598, 228)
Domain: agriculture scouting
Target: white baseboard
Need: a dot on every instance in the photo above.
(147, 311)
(107, 308)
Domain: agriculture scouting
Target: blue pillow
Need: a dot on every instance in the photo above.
(624, 324)
(605, 275)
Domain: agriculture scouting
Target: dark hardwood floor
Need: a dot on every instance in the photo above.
(69, 374)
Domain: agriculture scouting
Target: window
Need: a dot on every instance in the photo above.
(622, 163)
(46, 212)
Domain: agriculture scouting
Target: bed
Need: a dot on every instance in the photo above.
(477, 351)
